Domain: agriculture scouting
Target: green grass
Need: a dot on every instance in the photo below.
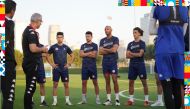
(75, 92)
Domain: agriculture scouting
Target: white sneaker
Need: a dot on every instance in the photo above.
(117, 103)
(98, 101)
(157, 103)
(54, 103)
(83, 102)
(107, 103)
(68, 103)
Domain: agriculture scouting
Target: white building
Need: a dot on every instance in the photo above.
(144, 23)
(121, 49)
(53, 29)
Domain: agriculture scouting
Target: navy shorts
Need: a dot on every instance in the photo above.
(41, 77)
(170, 66)
(64, 74)
(110, 68)
(137, 69)
(89, 73)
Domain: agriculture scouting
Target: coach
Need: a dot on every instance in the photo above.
(31, 51)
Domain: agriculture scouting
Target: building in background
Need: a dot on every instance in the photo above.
(144, 24)
(121, 49)
(53, 29)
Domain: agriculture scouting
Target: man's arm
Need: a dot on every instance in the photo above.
(82, 54)
(128, 54)
(104, 51)
(34, 49)
(50, 62)
(72, 60)
(113, 49)
(153, 27)
(140, 54)
(185, 28)
(44, 54)
(92, 54)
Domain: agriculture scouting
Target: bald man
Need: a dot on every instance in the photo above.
(108, 48)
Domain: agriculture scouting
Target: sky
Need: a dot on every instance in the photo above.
(78, 16)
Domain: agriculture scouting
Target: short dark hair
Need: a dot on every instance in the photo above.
(9, 6)
(89, 32)
(60, 33)
(139, 30)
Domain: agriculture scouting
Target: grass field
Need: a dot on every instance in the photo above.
(75, 92)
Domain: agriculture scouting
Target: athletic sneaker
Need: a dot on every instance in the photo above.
(83, 102)
(146, 103)
(130, 103)
(98, 101)
(43, 104)
(54, 103)
(68, 103)
(117, 103)
(157, 103)
(107, 103)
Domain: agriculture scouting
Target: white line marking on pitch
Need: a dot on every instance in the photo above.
(136, 82)
(122, 95)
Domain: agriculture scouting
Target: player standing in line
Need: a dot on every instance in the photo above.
(60, 66)
(169, 51)
(41, 78)
(88, 52)
(135, 52)
(108, 48)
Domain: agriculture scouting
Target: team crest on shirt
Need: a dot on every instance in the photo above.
(64, 48)
(56, 49)
(104, 41)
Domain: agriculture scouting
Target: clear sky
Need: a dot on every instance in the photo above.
(77, 16)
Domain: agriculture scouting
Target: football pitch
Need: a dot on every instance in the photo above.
(75, 92)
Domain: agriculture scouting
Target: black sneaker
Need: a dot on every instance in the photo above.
(43, 104)
(117, 103)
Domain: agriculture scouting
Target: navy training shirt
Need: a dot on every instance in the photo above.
(109, 43)
(60, 54)
(135, 47)
(89, 48)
